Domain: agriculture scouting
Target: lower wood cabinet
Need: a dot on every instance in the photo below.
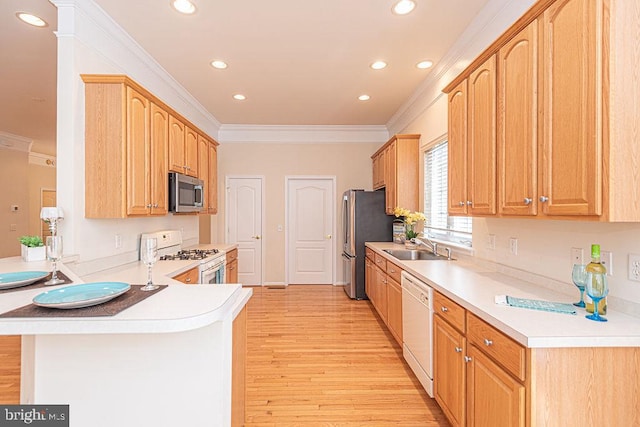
(10, 369)
(394, 309)
(189, 277)
(382, 285)
(449, 369)
(231, 275)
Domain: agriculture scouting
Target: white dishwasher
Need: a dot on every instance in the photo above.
(417, 329)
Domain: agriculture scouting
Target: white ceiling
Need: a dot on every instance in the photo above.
(297, 62)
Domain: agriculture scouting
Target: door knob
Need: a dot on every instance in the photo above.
(329, 236)
(255, 237)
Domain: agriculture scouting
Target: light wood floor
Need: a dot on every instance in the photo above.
(315, 357)
(10, 369)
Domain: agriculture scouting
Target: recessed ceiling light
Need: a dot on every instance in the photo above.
(31, 19)
(378, 65)
(364, 97)
(221, 65)
(184, 6)
(424, 64)
(239, 97)
(403, 7)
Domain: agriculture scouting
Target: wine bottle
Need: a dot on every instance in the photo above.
(598, 272)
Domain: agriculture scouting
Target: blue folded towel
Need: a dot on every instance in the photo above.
(534, 304)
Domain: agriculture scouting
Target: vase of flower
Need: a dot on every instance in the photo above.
(410, 220)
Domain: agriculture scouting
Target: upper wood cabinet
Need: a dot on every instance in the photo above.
(125, 152)
(566, 113)
(472, 143)
(395, 168)
(517, 123)
(212, 184)
(203, 171)
(130, 138)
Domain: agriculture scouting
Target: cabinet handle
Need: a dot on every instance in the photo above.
(544, 199)
(488, 342)
(155, 205)
(149, 206)
(458, 349)
(461, 204)
(188, 280)
(444, 309)
(527, 201)
(467, 359)
(469, 203)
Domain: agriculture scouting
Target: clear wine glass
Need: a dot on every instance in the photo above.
(54, 253)
(579, 278)
(597, 289)
(149, 256)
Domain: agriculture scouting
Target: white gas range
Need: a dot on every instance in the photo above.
(212, 261)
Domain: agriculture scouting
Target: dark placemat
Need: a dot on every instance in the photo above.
(39, 284)
(109, 308)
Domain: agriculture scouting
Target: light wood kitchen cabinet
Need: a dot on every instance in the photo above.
(203, 171)
(239, 369)
(396, 168)
(183, 148)
(131, 140)
(449, 369)
(369, 272)
(212, 184)
(394, 309)
(189, 277)
(517, 123)
(190, 152)
(564, 82)
(380, 302)
(382, 285)
(231, 266)
(472, 143)
(125, 150)
(571, 98)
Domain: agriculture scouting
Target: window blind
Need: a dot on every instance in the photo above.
(439, 223)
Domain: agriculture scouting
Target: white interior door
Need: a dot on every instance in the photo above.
(310, 225)
(244, 212)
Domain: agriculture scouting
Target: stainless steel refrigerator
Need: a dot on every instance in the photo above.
(363, 220)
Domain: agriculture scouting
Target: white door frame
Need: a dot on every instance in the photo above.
(263, 241)
(287, 179)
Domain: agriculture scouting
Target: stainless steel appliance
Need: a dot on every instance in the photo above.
(211, 268)
(185, 193)
(363, 220)
(417, 329)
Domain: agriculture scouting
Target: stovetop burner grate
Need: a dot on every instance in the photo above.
(189, 255)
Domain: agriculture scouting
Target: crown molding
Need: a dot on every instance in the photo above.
(302, 134)
(97, 28)
(9, 141)
(487, 26)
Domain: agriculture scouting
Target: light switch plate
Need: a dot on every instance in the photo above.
(606, 258)
(634, 267)
(513, 246)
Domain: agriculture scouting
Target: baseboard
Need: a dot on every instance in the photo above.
(275, 285)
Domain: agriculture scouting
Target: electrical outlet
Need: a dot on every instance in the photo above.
(606, 258)
(118, 241)
(577, 256)
(513, 246)
(634, 267)
(491, 241)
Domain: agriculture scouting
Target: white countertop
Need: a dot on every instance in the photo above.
(180, 307)
(474, 287)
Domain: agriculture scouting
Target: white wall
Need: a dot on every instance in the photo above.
(544, 246)
(91, 42)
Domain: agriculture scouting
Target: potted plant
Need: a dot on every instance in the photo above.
(32, 248)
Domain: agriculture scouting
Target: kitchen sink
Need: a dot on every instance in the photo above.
(414, 254)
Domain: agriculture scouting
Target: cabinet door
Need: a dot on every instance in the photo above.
(203, 171)
(457, 146)
(158, 160)
(571, 135)
(190, 152)
(449, 370)
(494, 398)
(394, 309)
(138, 180)
(213, 178)
(381, 294)
(368, 278)
(176, 145)
(232, 272)
(190, 277)
(481, 144)
(517, 123)
(391, 170)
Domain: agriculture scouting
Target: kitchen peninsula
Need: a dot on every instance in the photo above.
(165, 361)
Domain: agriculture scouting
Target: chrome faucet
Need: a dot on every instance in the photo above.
(431, 244)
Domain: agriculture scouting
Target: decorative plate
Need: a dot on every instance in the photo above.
(77, 296)
(20, 278)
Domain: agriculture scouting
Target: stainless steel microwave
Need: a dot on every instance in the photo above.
(185, 193)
